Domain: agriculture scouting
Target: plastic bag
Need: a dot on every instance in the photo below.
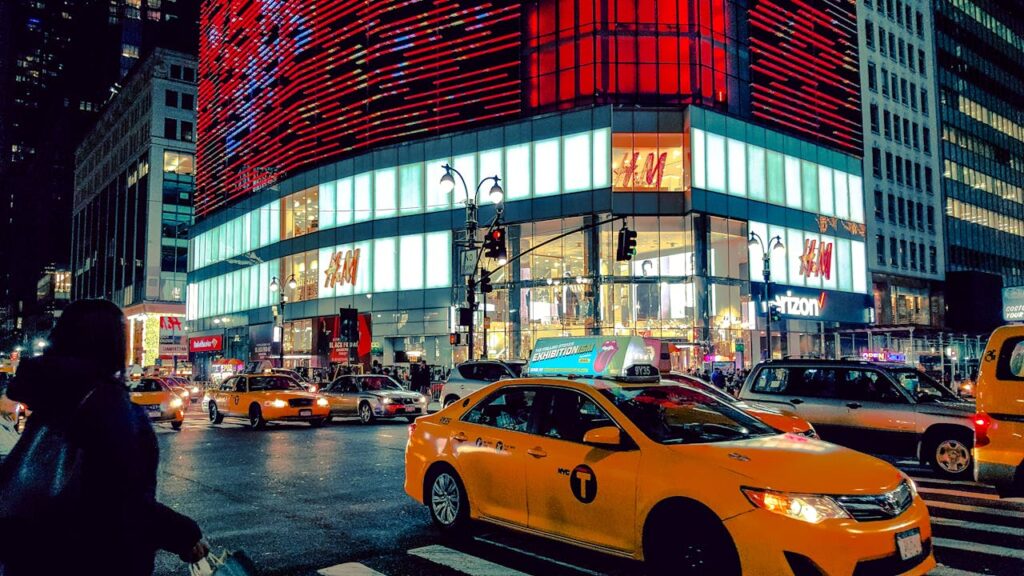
(235, 563)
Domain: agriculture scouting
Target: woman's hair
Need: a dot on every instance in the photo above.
(92, 330)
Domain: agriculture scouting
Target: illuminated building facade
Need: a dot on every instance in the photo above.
(324, 127)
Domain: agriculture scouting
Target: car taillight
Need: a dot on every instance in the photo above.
(412, 428)
(982, 423)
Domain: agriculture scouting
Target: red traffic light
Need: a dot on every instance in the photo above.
(496, 233)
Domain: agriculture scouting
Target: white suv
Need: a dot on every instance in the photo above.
(471, 376)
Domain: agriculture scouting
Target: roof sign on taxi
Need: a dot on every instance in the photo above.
(619, 357)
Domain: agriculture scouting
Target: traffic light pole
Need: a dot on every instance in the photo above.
(767, 305)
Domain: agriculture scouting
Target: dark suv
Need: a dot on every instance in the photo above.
(874, 407)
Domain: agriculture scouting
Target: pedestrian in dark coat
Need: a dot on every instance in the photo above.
(109, 521)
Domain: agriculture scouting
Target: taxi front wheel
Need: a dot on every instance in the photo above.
(447, 501)
(215, 416)
(687, 540)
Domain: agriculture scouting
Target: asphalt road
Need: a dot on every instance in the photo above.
(304, 501)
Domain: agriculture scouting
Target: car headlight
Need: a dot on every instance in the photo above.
(422, 399)
(811, 508)
(913, 485)
(195, 389)
(175, 402)
(386, 400)
(278, 403)
(322, 402)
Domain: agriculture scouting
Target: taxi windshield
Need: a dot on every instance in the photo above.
(146, 386)
(672, 414)
(375, 383)
(265, 383)
(921, 386)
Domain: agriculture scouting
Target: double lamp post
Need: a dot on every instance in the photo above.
(282, 300)
(775, 243)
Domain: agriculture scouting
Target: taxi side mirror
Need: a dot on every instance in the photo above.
(606, 436)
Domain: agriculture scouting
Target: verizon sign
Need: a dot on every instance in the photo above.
(205, 343)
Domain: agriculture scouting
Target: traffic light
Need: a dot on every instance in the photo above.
(774, 313)
(349, 329)
(485, 282)
(454, 339)
(627, 245)
(494, 244)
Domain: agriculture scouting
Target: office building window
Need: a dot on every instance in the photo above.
(917, 137)
(872, 79)
(869, 35)
(187, 132)
(893, 255)
(885, 82)
(903, 253)
(910, 214)
(931, 219)
(904, 91)
(300, 213)
(170, 128)
(880, 249)
(917, 176)
(175, 71)
(920, 64)
(920, 221)
(913, 256)
(924, 101)
(919, 23)
(188, 74)
(920, 252)
(171, 98)
(889, 171)
(926, 135)
(879, 206)
(901, 204)
(882, 46)
(874, 118)
(932, 257)
(892, 208)
(188, 101)
(913, 96)
(906, 132)
(928, 179)
(899, 171)
(876, 162)
(896, 128)
(887, 123)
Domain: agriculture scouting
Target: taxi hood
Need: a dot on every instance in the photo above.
(794, 463)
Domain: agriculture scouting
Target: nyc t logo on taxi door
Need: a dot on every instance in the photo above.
(583, 483)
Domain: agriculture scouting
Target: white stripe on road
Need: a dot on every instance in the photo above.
(959, 493)
(977, 509)
(964, 483)
(539, 557)
(947, 571)
(979, 548)
(463, 562)
(349, 569)
(993, 528)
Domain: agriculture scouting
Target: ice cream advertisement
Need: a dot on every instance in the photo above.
(588, 356)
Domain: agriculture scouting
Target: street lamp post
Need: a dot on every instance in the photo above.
(282, 300)
(775, 243)
(497, 196)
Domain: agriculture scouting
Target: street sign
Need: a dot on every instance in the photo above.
(740, 347)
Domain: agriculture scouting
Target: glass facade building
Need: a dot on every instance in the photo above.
(702, 157)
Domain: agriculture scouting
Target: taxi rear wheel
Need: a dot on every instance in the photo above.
(683, 539)
(447, 501)
(215, 416)
(176, 425)
(256, 419)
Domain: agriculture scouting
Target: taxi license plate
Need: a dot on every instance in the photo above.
(305, 412)
(909, 544)
(155, 413)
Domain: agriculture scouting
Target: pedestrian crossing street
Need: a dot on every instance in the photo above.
(975, 533)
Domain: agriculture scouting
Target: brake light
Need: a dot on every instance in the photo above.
(412, 428)
(982, 423)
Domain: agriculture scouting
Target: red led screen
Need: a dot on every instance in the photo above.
(284, 84)
(804, 75)
(652, 52)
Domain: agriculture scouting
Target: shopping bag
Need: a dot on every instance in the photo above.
(235, 563)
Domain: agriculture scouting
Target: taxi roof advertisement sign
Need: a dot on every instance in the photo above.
(589, 356)
(1013, 304)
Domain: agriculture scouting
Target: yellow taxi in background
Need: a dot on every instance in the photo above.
(15, 413)
(618, 462)
(999, 423)
(263, 398)
(160, 401)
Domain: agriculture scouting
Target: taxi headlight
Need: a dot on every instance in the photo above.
(913, 485)
(811, 508)
(175, 402)
(322, 402)
(195, 389)
(278, 403)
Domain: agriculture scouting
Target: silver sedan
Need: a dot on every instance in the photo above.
(373, 396)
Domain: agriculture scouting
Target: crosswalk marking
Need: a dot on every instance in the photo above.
(979, 548)
(349, 569)
(961, 493)
(947, 571)
(977, 509)
(538, 556)
(993, 528)
(462, 562)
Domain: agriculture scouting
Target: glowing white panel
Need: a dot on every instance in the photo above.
(826, 200)
(411, 258)
(859, 267)
(410, 188)
(856, 199)
(466, 164)
(264, 226)
(780, 259)
(327, 205)
(343, 201)
(844, 265)
(323, 259)
(716, 163)
(577, 162)
(265, 277)
(756, 177)
(246, 232)
(244, 290)
(439, 255)
(830, 282)
(385, 265)
(517, 172)
(699, 168)
(275, 222)
(192, 302)
(255, 287)
(755, 254)
(794, 195)
(602, 158)
(842, 191)
(363, 197)
(439, 198)
(737, 167)
(545, 167)
(490, 165)
(365, 270)
(341, 288)
(385, 191)
(794, 240)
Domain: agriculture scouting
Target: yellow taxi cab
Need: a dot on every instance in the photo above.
(778, 418)
(263, 398)
(999, 423)
(598, 452)
(14, 413)
(159, 400)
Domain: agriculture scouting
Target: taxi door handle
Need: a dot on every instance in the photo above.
(537, 452)
(796, 401)
(460, 437)
(853, 405)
